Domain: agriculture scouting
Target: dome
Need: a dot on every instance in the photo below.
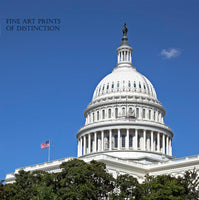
(125, 120)
(124, 80)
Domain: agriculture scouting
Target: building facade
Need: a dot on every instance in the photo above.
(124, 126)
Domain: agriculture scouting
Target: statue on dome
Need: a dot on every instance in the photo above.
(125, 30)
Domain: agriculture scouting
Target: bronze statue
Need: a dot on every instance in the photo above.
(125, 30)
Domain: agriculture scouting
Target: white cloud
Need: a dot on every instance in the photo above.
(170, 53)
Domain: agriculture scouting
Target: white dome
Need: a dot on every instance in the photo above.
(124, 80)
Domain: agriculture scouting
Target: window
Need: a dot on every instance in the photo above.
(107, 142)
(116, 141)
(116, 112)
(123, 111)
(103, 88)
(129, 84)
(144, 87)
(89, 117)
(112, 85)
(130, 110)
(154, 115)
(103, 114)
(139, 85)
(134, 85)
(123, 140)
(149, 114)
(107, 87)
(143, 113)
(156, 142)
(138, 141)
(97, 115)
(109, 113)
(93, 117)
(130, 140)
(92, 143)
(137, 112)
(118, 84)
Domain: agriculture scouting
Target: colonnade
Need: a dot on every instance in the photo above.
(124, 139)
(124, 55)
(141, 113)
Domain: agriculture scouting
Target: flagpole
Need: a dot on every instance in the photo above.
(49, 152)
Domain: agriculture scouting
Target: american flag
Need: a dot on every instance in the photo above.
(45, 145)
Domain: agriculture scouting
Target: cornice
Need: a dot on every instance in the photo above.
(119, 122)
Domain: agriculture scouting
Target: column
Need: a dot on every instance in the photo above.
(89, 143)
(158, 141)
(148, 144)
(163, 143)
(102, 140)
(81, 146)
(152, 147)
(144, 143)
(84, 144)
(99, 142)
(167, 143)
(95, 142)
(127, 138)
(118, 139)
(78, 147)
(170, 146)
(110, 140)
(136, 139)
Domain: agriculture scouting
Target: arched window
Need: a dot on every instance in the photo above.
(93, 117)
(116, 112)
(129, 84)
(89, 117)
(97, 115)
(123, 111)
(134, 85)
(118, 84)
(149, 114)
(116, 141)
(143, 114)
(130, 110)
(103, 114)
(123, 140)
(144, 87)
(112, 85)
(137, 112)
(103, 88)
(154, 115)
(107, 87)
(139, 85)
(109, 113)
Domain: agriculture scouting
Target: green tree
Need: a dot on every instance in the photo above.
(190, 182)
(80, 180)
(163, 187)
(127, 187)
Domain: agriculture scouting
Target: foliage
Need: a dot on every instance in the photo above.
(126, 187)
(79, 180)
(164, 187)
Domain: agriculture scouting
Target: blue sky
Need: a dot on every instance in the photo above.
(47, 78)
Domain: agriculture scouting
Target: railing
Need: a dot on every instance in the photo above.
(40, 165)
(177, 159)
